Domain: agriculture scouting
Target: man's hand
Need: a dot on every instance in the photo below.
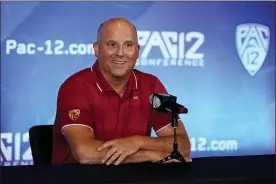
(120, 149)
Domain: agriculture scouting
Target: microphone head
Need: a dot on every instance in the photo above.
(155, 101)
(162, 102)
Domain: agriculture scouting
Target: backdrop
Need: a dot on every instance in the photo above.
(218, 58)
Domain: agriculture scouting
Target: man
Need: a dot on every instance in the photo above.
(103, 113)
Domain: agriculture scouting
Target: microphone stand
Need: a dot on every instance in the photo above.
(175, 154)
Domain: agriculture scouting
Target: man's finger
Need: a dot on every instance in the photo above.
(121, 159)
(105, 145)
(113, 158)
(188, 159)
(172, 161)
(109, 154)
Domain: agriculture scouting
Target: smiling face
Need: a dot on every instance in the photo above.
(117, 48)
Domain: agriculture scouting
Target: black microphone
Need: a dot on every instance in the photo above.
(167, 103)
(162, 102)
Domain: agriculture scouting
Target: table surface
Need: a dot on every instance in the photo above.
(245, 169)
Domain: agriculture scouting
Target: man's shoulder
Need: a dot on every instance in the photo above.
(149, 82)
(79, 78)
(145, 77)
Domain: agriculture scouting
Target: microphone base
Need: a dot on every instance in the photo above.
(174, 155)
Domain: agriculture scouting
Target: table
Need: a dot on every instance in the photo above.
(247, 169)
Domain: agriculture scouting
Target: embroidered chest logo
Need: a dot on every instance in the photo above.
(74, 114)
(135, 98)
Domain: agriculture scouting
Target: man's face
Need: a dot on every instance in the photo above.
(117, 50)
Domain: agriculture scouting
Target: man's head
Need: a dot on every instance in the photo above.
(117, 47)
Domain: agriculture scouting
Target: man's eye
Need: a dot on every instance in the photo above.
(111, 44)
(129, 45)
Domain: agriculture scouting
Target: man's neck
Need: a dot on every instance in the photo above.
(119, 84)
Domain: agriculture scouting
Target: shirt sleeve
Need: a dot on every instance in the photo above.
(73, 105)
(160, 120)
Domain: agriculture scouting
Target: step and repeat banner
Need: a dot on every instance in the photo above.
(218, 58)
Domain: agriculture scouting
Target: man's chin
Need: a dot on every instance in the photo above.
(119, 74)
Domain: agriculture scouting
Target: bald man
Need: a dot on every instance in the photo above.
(103, 112)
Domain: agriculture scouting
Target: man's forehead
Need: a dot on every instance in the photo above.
(119, 30)
(118, 21)
(115, 27)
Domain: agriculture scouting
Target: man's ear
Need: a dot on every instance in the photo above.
(138, 50)
(96, 49)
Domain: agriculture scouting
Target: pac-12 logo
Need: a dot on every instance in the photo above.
(15, 149)
(252, 42)
(177, 48)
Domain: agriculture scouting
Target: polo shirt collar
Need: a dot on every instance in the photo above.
(103, 85)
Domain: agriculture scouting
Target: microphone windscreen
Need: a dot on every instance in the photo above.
(151, 98)
(155, 101)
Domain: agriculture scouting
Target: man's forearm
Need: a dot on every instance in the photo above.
(93, 156)
(165, 144)
(153, 149)
(145, 156)
(90, 155)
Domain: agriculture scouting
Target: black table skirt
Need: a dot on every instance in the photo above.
(243, 170)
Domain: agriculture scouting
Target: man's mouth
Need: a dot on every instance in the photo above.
(118, 62)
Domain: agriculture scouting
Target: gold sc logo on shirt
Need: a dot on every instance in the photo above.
(74, 114)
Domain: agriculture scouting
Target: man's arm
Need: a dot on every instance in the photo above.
(164, 141)
(83, 145)
(75, 121)
(124, 149)
(143, 156)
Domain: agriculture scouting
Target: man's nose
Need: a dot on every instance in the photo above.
(120, 51)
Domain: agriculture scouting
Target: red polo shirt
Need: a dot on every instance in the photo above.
(86, 99)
